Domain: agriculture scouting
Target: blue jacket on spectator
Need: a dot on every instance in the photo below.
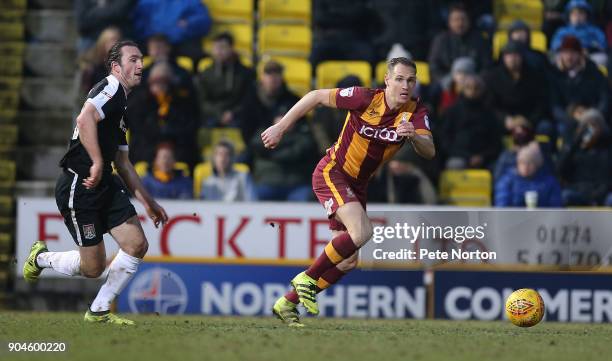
(179, 187)
(511, 187)
(591, 37)
(152, 17)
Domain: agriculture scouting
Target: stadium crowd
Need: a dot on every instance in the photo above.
(538, 121)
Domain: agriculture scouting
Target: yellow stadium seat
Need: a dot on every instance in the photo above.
(530, 11)
(142, 168)
(8, 135)
(231, 11)
(422, 73)
(208, 137)
(471, 187)
(500, 39)
(297, 73)
(12, 31)
(285, 11)
(330, 72)
(185, 62)
(204, 170)
(243, 38)
(8, 170)
(287, 40)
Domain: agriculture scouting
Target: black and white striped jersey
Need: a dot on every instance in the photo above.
(109, 98)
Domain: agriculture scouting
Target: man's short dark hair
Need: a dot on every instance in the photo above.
(457, 6)
(400, 60)
(224, 36)
(227, 145)
(115, 53)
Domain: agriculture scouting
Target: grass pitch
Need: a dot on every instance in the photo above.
(228, 338)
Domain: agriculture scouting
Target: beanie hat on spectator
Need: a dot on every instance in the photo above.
(571, 43)
(463, 65)
(581, 4)
(273, 67)
(518, 25)
(512, 47)
(349, 81)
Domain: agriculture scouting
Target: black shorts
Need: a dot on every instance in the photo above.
(89, 213)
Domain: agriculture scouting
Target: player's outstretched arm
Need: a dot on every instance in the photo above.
(87, 125)
(272, 136)
(132, 180)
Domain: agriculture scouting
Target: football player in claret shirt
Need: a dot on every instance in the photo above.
(378, 123)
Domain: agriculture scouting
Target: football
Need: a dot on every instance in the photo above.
(525, 307)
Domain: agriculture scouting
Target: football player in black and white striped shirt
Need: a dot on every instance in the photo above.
(92, 200)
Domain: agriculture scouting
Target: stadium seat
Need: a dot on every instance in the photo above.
(12, 31)
(8, 171)
(471, 187)
(297, 73)
(142, 168)
(422, 73)
(231, 11)
(243, 38)
(8, 135)
(285, 40)
(185, 62)
(204, 170)
(500, 38)
(285, 12)
(6, 206)
(208, 137)
(330, 72)
(12, 48)
(530, 11)
(11, 65)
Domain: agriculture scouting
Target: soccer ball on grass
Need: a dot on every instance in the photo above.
(525, 307)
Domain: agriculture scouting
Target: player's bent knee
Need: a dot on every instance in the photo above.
(92, 272)
(361, 233)
(138, 249)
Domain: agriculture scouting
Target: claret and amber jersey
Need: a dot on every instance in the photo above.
(369, 138)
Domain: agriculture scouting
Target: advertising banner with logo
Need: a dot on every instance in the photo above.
(251, 290)
(568, 297)
(298, 231)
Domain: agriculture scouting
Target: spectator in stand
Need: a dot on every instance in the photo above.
(401, 25)
(282, 173)
(157, 113)
(223, 86)
(93, 16)
(328, 122)
(160, 50)
(592, 38)
(529, 175)
(163, 180)
(458, 41)
(225, 183)
(520, 33)
(266, 101)
(91, 63)
(342, 30)
(585, 161)
(576, 81)
(470, 137)
(517, 91)
(447, 91)
(183, 22)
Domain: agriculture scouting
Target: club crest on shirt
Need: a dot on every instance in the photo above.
(89, 231)
(348, 92)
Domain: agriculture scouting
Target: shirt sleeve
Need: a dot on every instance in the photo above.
(101, 97)
(353, 98)
(420, 120)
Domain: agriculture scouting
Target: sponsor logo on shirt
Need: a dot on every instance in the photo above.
(106, 94)
(384, 134)
(347, 92)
